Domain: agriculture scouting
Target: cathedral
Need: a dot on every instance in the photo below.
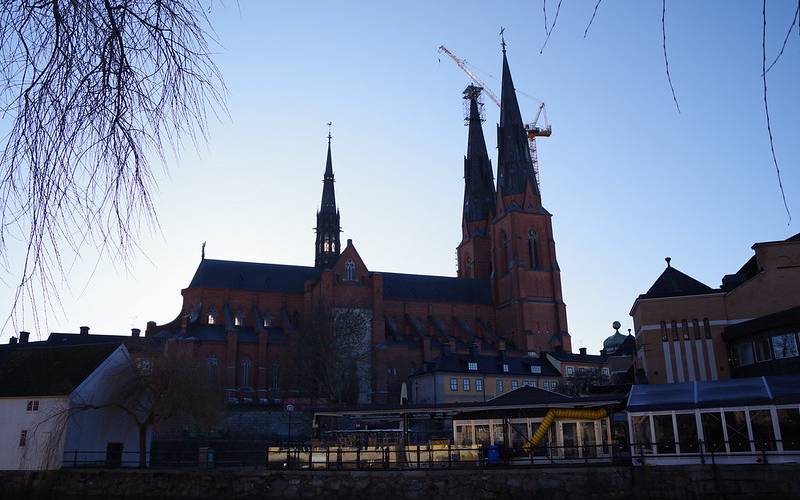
(240, 318)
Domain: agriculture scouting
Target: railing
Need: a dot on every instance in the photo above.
(715, 451)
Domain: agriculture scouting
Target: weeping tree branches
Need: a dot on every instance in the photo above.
(93, 92)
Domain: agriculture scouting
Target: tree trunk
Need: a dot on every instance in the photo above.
(142, 446)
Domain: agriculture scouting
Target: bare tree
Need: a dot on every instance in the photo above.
(582, 382)
(93, 92)
(333, 353)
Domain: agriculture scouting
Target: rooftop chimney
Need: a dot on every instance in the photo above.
(84, 330)
(12, 340)
(23, 337)
(151, 328)
(583, 351)
(135, 332)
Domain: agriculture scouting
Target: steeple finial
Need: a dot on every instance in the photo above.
(327, 247)
(330, 124)
(668, 259)
(502, 39)
(203, 251)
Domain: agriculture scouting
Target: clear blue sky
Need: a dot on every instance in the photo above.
(628, 179)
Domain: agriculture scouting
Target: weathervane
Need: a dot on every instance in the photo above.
(329, 131)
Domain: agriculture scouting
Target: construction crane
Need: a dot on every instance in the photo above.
(532, 128)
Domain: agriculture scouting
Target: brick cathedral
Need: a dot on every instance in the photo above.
(242, 317)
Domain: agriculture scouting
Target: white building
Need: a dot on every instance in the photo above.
(55, 407)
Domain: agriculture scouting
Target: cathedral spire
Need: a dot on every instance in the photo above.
(479, 193)
(514, 167)
(327, 244)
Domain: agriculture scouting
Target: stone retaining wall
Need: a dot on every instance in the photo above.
(603, 483)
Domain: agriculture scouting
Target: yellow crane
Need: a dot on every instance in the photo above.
(533, 128)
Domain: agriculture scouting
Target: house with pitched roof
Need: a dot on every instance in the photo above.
(56, 406)
(687, 331)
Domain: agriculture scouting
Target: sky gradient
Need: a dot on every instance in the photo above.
(628, 179)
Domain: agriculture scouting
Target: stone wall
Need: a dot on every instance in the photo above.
(563, 483)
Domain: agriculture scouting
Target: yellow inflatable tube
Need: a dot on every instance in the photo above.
(554, 413)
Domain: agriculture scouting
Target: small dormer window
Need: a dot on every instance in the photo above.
(212, 317)
(237, 321)
(472, 366)
(350, 270)
(536, 369)
(505, 367)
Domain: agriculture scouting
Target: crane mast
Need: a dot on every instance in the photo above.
(532, 128)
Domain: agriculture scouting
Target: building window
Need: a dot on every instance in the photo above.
(505, 260)
(276, 372)
(533, 254)
(743, 354)
(570, 371)
(212, 317)
(213, 364)
(246, 365)
(454, 384)
(465, 384)
(267, 320)
(707, 328)
(784, 346)
(505, 367)
(664, 331)
(144, 365)
(514, 385)
(581, 371)
(237, 320)
(536, 369)
(479, 384)
(350, 270)
(606, 372)
(33, 405)
(391, 371)
(23, 438)
(685, 327)
(762, 349)
(469, 267)
(472, 366)
(499, 386)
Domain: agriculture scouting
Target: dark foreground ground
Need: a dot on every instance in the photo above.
(773, 482)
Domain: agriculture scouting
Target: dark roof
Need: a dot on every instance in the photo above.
(716, 394)
(578, 358)
(74, 339)
(789, 317)
(216, 333)
(49, 371)
(530, 396)
(517, 365)
(252, 276)
(436, 288)
(673, 283)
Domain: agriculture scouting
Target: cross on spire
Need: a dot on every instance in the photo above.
(330, 124)
(502, 39)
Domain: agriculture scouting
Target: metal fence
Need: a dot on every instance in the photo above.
(693, 451)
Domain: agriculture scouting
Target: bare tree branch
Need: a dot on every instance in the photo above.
(786, 39)
(664, 45)
(766, 106)
(94, 91)
(594, 13)
(553, 25)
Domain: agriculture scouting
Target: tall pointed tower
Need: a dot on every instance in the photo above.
(475, 249)
(527, 281)
(327, 246)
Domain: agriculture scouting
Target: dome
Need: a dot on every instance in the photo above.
(612, 343)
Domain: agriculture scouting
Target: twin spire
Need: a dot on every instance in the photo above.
(514, 166)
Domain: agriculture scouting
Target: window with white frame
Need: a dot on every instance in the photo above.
(606, 372)
(472, 366)
(505, 367)
(570, 371)
(499, 386)
(536, 369)
(144, 365)
(33, 405)
(762, 349)
(479, 384)
(514, 385)
(454, 384)
(784, 346)
(465, 384)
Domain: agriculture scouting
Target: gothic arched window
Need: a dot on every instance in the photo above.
(213, 364)
(246, 365)
(533, 253)
(504, 253)
(350, 270)
(238, 319)
(212, 316)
